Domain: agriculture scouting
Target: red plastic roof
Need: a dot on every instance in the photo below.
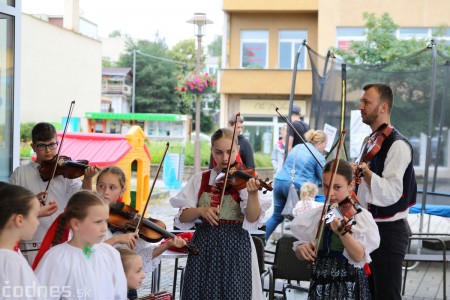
(98, 148)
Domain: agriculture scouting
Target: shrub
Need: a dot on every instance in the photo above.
(25, 131)
(156, 149)
(262, 160)
(25, 150)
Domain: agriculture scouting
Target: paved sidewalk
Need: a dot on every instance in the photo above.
(423, 282)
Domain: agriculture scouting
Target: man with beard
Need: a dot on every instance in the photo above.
(388, 188)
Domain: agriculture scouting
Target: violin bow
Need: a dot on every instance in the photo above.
(69, 115)
(298, 134)
(151, 191)
(229, 161)
(330, 186)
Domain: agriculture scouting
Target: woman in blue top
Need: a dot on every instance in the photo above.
(306, 169)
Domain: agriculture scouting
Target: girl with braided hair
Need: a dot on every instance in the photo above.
(83, 267)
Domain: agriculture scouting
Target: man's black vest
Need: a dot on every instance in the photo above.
(408, 197)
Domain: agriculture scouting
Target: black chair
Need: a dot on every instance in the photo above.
(259, 246)
(288, 267)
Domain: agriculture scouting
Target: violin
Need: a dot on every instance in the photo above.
(371, 147)
(344, 210)
(238, 176)
(125, 218)
(65, 166)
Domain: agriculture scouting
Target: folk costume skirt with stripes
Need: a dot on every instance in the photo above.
(222, 270)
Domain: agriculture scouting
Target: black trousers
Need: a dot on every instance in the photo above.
(386, 266)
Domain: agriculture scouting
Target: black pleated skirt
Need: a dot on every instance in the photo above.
(223, 268)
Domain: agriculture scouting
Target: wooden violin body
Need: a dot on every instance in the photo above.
(65, 166)
(371, 147)
(125, 218)
(238, 177)
(376, 140)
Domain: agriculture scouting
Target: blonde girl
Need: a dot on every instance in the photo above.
(338, 269)
(227, 266)
(83, 267)
(18, 221)
(134, 270)
(308, 193)
(111, 186)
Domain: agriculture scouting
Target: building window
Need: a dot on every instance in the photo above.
(289, 44)
(413, 33)
(254, 48)
(346, 35)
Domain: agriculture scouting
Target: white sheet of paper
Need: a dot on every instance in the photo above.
(330, 131)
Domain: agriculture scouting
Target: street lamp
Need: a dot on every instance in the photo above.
(199, 20)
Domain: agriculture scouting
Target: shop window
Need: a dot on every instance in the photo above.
(254, 48)
(290, 41)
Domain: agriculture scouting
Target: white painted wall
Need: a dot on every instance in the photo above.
(58, 66)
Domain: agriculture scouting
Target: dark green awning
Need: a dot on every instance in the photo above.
(135, 116)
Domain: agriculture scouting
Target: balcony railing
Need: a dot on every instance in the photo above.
(116, 89)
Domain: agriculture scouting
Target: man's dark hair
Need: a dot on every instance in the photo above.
(384, 91)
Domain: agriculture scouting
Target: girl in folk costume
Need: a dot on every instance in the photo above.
(134, 270)
(82, 267)
(18, 221)
(227, 266)
(111, 186)
(338, 271)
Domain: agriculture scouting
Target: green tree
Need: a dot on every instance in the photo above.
(407, 64)
(186, 51)
(381, 44)
(25, 131)
(115, 33)
(215, 48)
(155, 76)
(107, 62)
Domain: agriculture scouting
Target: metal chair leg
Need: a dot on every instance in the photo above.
(181, 280)
(175, 274)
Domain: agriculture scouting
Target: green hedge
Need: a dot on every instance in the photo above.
(156, 149)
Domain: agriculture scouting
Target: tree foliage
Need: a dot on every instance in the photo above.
(215, 48)
(157, 69)
(155, 76)
(186, 51)
(115, 33)
(403, 63)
